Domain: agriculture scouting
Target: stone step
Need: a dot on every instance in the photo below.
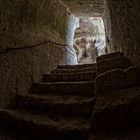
(45, 127)
(76, 66)
(7, 133)
(57, 77)
(117, 111)
(116, 79)
(85, 70)
(126, 134)
(58, 105)
(109, 56)
(110, 64)
(68, 88)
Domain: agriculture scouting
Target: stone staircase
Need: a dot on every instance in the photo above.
(75, 102)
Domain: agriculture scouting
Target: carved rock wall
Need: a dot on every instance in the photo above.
(25, 23)
(125, 32)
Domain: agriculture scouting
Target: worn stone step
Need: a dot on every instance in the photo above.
(45, 127)
(110, 64)
(68, 88)
(57, 77)
(88, 69)
(116, 79)
(126, 134)
(7, 133)
(76, 66)
(109, 56)
(117, 111)
(58, 105)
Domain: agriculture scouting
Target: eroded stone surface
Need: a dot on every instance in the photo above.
(26, 24)
(123, 28)
(110, 80)
(60, 77)
(88, 7)
(77, 66)
(116, 79)
(109, 56)
(129, 134)
(112, 63)
(65, 71)
(43, 126)
(68, 88)
(118, 111)
(74, 106)
(132, 76)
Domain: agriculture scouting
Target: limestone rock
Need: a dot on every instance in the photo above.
(110, 64)
(65, 88)
(76, 66)
(44, 126)
(128, 134)
(58, 77)
(88, 69)
(115, 79)
(109, 56)
(118, 111)
(132, 76)
(110, 80)
(62, 105)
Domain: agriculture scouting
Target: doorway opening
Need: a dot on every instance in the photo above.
(89, 39)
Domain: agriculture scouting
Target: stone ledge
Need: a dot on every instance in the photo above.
(110, 64)
(109, 56)
(58, 77)
(42, 126)
(64, 88)
(76, 66)
(90, 69)
(117, 111)
(65, 105)
(115, 79)
(127, 134)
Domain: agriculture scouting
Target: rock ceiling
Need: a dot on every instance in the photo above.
(85, 7)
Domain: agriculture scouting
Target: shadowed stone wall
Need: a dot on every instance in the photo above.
(107, 24)
(25, 23)
(125, 32)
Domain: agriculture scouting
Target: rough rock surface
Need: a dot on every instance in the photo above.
(77, 66)
(69, 110)
(129, 134)
(23, 24)
(112, 63)
(117, 111)
(84, 88)
(88, 7)
(28, 22)
(81, 76)
(88, 69)
(109, 56)
(132, 76)
(44, 126)
(55, 109)
(63, 105)
(110, 80)
(124, 23)
(116, 79)
(21, 68)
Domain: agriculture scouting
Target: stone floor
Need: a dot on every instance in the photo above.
(73, 113)
(6, 134)
(131, 134)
